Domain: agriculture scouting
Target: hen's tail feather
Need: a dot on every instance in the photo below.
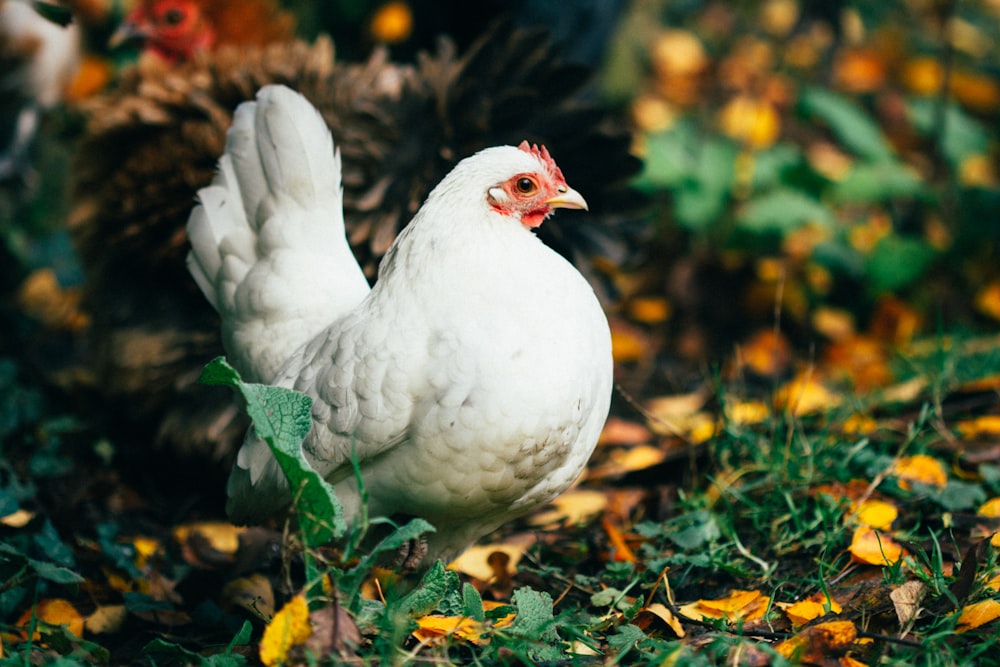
(270, 225)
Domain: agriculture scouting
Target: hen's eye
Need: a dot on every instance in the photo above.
(525, 186)
(173, 17)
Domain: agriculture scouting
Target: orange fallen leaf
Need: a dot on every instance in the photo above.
(392, 23)
(626, 460)
(977, 614)
(620, 550)
(747, 412)
(738, 605)
(430, 628)
(877, 514)
(767, 353)
(628, 344)
(649, 309)
(920, 468)
(988, 300)
(289, 627)
(54, 611)
(618, 431)
(874, 548)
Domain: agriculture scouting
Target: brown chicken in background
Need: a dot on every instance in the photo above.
(153, 141)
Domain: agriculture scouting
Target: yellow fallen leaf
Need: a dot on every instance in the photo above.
(986, 425)
(805, 395)
(221, 535)
(54, 611)
(752, 121)
(747, 412)
(803, 611)
(17, 519)
(476, 560)
(767, 353)
(660, 611)
(628, 344)
(106, 620)
(877, 513)
(995, 540)
(874, 548)
(253, 593)
(574, 507)
(816, 642)
(627, 459)
(289, 627)
(991, 508)
(993, 583)
(977, 614)
(145, 547)
(738, 605)
(920, 468)
(858, 424)
(430, 628)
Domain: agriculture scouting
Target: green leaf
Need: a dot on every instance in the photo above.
(47, 540)
(959, 495)
(433, 587)
(783, 210)
(535, 623)
(282, 418)
(13, 564)
(472, 603)
(877, 182)
(693, 530)
(625, 639)
(897, 261)
(961, 136)
(852, 126)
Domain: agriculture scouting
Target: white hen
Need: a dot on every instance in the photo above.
(472, 381)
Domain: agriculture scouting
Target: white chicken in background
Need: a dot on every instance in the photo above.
(38, 60)
(471, 382)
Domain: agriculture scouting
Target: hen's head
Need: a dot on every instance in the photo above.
(523, 183)
(174, 30)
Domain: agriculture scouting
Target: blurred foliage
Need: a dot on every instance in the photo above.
(817, 155)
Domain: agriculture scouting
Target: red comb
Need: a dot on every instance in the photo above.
(543, 155)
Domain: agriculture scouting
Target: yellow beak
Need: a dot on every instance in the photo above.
(568, 198)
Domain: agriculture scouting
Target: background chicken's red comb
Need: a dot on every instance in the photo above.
(543, 155)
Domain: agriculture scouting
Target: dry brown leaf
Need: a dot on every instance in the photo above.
(222, 535)
(906, 600)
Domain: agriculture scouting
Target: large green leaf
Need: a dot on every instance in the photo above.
(783, 210)
(958, 134)
(853, 127)
(897, 261)
(868, 183)
(282, 417)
